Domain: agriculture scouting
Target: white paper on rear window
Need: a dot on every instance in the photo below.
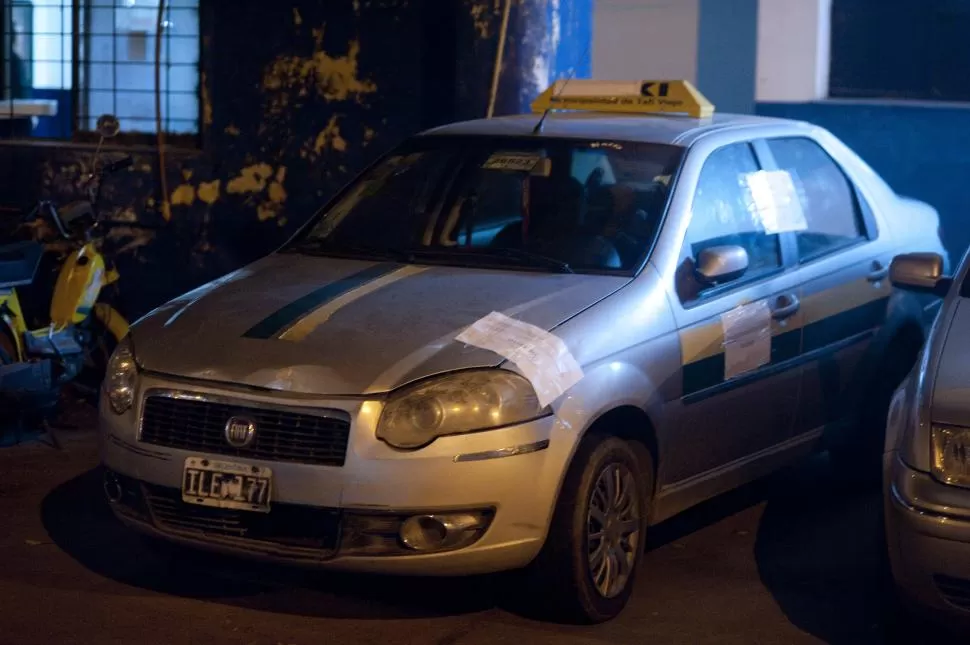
(773, 200)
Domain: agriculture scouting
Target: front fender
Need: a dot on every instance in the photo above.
(900, 415)
(605, 387)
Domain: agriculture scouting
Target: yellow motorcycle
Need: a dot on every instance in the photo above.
(35, 363)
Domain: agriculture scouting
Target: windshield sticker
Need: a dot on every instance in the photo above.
(632, 169)
(773, 201)
(747, 338)
(543, 357)
(514, 161)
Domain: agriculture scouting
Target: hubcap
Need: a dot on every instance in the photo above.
(613, 529)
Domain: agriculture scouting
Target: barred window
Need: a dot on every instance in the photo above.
(66, 62)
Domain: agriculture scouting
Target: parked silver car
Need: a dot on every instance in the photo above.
(927, 459)
(513, 344)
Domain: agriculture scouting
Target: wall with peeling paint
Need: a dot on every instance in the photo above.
(548, 40)
(298, 96)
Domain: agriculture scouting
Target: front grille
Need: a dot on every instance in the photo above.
(954, 590)
(288, 525)
(190, 424)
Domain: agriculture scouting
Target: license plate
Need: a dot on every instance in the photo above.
(226, 484)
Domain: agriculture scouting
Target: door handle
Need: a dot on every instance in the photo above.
(785, 307)
(878, 273)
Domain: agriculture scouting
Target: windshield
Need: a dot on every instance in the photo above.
(561, 205)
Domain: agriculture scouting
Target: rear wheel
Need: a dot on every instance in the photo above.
(588, 565)
(857, 456)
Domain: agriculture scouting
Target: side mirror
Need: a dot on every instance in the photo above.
(108, 126)
(919, 272)
(720, 264)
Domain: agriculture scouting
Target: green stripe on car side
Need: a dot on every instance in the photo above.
(791, 345)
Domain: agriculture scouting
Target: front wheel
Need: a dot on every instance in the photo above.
(587, 567)
(98, 345)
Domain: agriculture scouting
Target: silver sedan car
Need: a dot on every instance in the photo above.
(514, 345)
(927, 458)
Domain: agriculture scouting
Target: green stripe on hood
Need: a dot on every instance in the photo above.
(282, 319)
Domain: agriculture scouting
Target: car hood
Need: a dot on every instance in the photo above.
(331, 326)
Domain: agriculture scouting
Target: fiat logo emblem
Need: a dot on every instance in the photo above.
(240, 432)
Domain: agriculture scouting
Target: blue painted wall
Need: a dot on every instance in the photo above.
(901, 49)
(727, 53)
(543, 35)
(922, 150)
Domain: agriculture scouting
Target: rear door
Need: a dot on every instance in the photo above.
(738, 339)
(844, 270)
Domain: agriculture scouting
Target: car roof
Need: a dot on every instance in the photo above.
(654, 128)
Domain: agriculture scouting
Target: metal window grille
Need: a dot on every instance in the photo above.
(65, 62)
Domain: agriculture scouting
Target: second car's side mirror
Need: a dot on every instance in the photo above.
(720, 264)
(919, 272)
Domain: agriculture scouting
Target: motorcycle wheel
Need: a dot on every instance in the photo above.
(8, 351)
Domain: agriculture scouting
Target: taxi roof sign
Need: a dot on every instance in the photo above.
(626, 97)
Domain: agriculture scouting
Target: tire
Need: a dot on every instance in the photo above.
(565, 579)
(96, 354)
(857, 458)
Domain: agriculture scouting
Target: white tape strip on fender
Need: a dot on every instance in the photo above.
(543, 357)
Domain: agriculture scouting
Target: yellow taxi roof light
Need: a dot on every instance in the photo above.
(626, 97)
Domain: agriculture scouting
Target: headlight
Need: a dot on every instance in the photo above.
(121, 378)
(951, 455)
(456, 404)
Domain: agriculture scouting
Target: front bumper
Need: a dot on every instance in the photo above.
(929, 539)
(347, 517)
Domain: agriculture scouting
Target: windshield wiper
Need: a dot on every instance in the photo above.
(532, 257)
(324, 247)
(520, 255)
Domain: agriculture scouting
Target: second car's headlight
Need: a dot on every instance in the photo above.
(121, 378)
(951, 455)
(456, 404)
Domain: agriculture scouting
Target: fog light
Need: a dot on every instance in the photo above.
(112, 487)
(423, 533)
(442, 531)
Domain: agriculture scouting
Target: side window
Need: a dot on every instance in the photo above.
(832, 215)
(722, 213)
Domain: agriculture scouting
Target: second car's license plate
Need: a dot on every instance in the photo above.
(226, 484)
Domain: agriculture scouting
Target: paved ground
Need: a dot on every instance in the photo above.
(788, 560)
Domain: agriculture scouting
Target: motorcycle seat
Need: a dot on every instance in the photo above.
(18, 263)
